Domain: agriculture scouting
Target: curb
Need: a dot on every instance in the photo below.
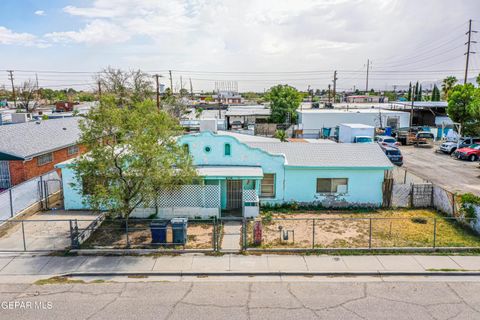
(274, 273)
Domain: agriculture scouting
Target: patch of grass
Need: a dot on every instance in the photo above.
(447, 270)
(137, 276)
(57, 280)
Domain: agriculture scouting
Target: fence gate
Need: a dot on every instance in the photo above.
(401, 195)
(422, 195)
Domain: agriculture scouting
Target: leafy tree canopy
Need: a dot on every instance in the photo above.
(464, 107)
(132, 153)
(284, 101)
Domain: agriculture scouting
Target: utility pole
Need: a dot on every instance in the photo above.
(99, 89)
(329, 98)
(158, 90)
(171, 81)
(191, 87)
(181, 84)
(368, 69)
(469, 33)
(335, 86)
(10, 77)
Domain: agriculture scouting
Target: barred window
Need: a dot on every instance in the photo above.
(44, 159)
(72, 150)
(332, 185)
(268, 186)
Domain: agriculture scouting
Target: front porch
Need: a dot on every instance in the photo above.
(239, 188)
(222, 192)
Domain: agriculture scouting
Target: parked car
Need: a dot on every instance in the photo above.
(237, 125)
(393, 154)
(387, 141)
(471, 153)
(423, 139)
(450, 146)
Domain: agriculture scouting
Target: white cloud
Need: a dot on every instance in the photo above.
(95, 32)
(9, 37)
(40, 13)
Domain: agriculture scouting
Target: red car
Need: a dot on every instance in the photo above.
(471, 153)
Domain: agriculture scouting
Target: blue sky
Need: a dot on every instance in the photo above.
(269, 36)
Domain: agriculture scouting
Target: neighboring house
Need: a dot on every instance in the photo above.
(366, 99)
(30, 149)
(238, 172)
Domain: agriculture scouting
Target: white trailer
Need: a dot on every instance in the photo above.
(355, 132)
(313, 121)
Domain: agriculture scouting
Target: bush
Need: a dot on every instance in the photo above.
(419, 220)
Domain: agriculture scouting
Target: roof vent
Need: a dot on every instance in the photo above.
(64, 128)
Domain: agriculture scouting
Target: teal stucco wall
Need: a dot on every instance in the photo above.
(240, 155)
(364, 186)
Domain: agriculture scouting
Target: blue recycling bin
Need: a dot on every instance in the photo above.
(179, 230)
(388, 131)
(159, 231)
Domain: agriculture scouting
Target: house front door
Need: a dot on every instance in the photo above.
(234, 196)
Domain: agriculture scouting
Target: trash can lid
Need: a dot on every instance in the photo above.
(179, 220)
(162, 223)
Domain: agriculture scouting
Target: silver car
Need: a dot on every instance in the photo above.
(387, 141)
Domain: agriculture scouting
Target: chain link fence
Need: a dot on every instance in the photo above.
(32, 192)
(359, 233)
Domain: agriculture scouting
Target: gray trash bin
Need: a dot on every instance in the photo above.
(179, 230)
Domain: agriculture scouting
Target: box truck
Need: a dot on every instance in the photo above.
(355, 133)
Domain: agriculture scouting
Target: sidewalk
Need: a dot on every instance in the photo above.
(194, 264)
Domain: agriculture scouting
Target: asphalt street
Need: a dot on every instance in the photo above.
(452, 174)
(246, 299)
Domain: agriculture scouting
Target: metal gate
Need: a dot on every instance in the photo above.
(422, 195)
(234, 194)
(4, 175)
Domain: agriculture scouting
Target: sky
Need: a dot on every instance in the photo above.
(258, 43)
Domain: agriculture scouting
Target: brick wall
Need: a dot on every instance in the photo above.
(24, 170)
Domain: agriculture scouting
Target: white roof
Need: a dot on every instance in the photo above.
(229, 171)
(357, 125)
(247, 137)
(352, 155)
(350, 110)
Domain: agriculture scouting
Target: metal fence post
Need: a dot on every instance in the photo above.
(434, 232)
(72, 240)
(313, 233)
(126, 230)
(244, 234)
(23, 236)
(11, 201)
(214, 239)
(370, 234)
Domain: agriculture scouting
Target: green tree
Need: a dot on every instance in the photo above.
(132, 154)
(281, 135)
(409, 94)
(447, 86)
(284, 101)
(435, 93)
(464, 107)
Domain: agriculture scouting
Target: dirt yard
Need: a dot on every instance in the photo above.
(112, 234)
(399, 228)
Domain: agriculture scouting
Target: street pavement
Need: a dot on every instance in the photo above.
(442, 169)
(232, 264)
(307, 299)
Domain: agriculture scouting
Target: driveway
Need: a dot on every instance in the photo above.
(442, 169)
(41, 234)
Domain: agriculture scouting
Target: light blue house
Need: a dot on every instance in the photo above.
(238, 172)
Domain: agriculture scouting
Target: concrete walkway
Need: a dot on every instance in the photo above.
(232, 231)
(231, 264)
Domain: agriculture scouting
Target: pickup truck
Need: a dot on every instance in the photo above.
(450, 146)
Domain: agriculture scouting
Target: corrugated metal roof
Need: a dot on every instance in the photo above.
(29, 139)
(229, 171)
(327, 155)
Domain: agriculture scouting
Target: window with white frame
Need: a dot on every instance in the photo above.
(44, 159)
(268, 186)
(72, 150)
(332, 185)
